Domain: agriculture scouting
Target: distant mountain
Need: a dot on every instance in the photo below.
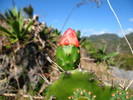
(105, 36)
(113, 42)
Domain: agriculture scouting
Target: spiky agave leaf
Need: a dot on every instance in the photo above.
(24, 32)
(6, 31)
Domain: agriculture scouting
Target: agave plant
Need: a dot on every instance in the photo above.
(16, 31)
(101, 55)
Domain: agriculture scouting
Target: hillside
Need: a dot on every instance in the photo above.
(113, 42)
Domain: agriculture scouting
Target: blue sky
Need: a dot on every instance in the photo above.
(87, 18)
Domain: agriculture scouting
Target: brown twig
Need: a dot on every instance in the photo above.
(24, 96)
(44, 77)
(129, 84)
(54, 63)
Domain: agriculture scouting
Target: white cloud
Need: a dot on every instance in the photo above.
(127, 31)
(99, 32)
(94, 32)
(131, 19)
(88, 32)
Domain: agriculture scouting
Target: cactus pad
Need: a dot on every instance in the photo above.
(69, 81)
(68, 57)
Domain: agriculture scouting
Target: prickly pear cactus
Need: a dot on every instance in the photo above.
(69, 81)
(68, 52)
(79, 84)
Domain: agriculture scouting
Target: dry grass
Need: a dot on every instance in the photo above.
(104, 73)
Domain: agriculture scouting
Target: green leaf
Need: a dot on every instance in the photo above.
(20, 15)
(7, 46)
(111, 55)
(26, 29)
(6, 32)
(12, 40)
(21, 24)
(11, 14)
(15, 27)
(15, 12)
(104, 49)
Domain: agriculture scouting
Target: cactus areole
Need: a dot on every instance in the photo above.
(68, 52)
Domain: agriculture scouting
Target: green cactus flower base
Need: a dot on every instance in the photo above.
(83, 85)
(68, 57)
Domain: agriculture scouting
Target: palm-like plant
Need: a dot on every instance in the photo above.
(16, 31)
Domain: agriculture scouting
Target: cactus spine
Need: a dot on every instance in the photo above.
(68, 52)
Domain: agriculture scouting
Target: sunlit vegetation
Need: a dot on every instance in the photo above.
(28, 67)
